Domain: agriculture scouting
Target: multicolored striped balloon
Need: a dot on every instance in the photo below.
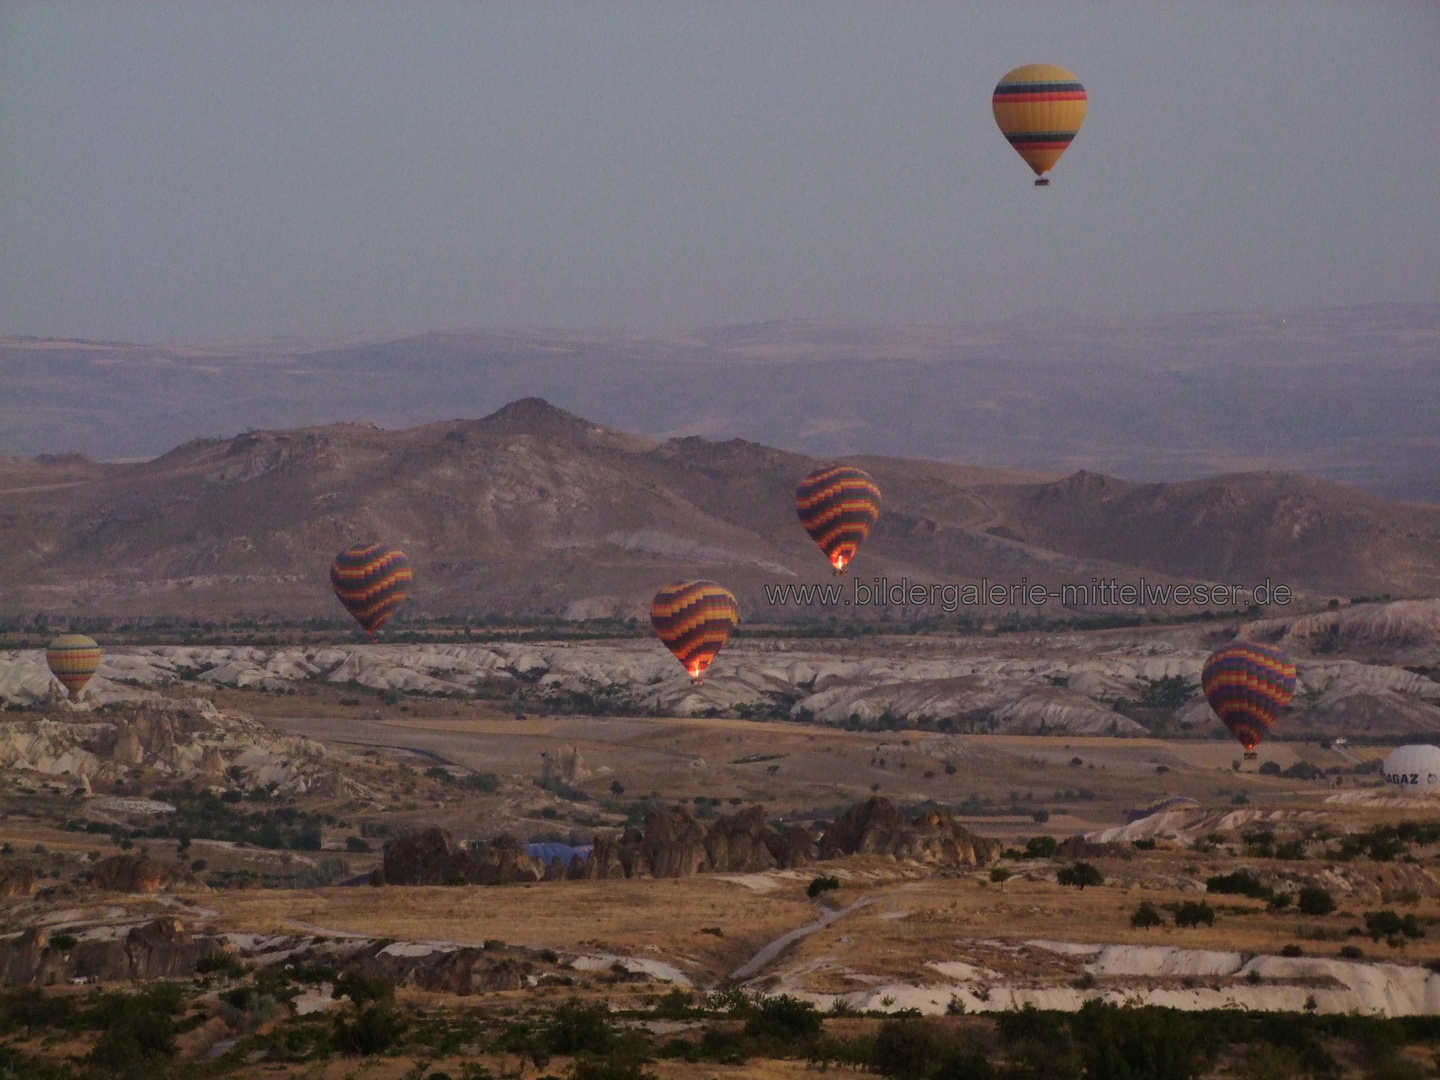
(372, 581)
(73, 658)
(1039, 108)
(1248, 686)
(837, 505)
(694, 620)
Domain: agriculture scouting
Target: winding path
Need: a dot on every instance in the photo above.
(757, 963)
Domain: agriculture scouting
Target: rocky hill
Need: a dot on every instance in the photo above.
(1342, 393)
(533, 510)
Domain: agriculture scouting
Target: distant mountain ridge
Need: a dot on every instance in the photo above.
(1346, 394)
(534, 510)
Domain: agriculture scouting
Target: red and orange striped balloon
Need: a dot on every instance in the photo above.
(372, 581)
(1248, 686)
(838, 504)
(73, 658)
(694, 619)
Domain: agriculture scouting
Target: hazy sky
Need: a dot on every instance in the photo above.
(210, 170)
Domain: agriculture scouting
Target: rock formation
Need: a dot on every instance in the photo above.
(933, 837)
(140, 874)
(163, 949)
(433, 858)
(674, 845)
(16, 881)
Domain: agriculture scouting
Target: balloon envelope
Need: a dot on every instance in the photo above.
(838, 504)
(1039, 109)
(73, 658)
(1248, 685)
(694, 620)
(372, 581)
(1413, 769)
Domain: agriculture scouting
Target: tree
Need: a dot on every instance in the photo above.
(1315, 901)
(1080, 874)
(1146, 916)
(1192, 914)
(1040, 847)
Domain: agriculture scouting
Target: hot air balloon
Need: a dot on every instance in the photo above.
(372, 581)
(694, 620)
(1413, 769)
(73, 658)
(1039, 108)
(1248, 685)
(837, 505)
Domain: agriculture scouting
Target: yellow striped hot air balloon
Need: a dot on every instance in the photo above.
(73, 658)
(694, 620)
(1039, 108)
(372, 581)
(838, 504)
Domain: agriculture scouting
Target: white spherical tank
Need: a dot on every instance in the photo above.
(1413, 769)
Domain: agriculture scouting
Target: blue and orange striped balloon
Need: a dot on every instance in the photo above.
(694, 619)
(372, 581)
(1248, 686)
(838, 504)
(73, 658)
(1039, 109)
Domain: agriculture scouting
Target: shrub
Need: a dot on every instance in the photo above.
(1352, 952)
(615, 1068)
(1040, 847)
(785, 1018)
(1292, 951)
(1156, 1044)
(361, 989)
(1190, 913)
(822, 885)
(1000, 875)
(1269, 768)
(372, 1030)
(1314, 900)
(1387, 923)
(220, 963)
(914, 1049)
(64, 942)
(1080, 874)
(356, 844)
(1040, 817)
(1146, 915)
(487, 782)
(576, 1028)
(1143, 845)
(135, 1028)
(1240, 882)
